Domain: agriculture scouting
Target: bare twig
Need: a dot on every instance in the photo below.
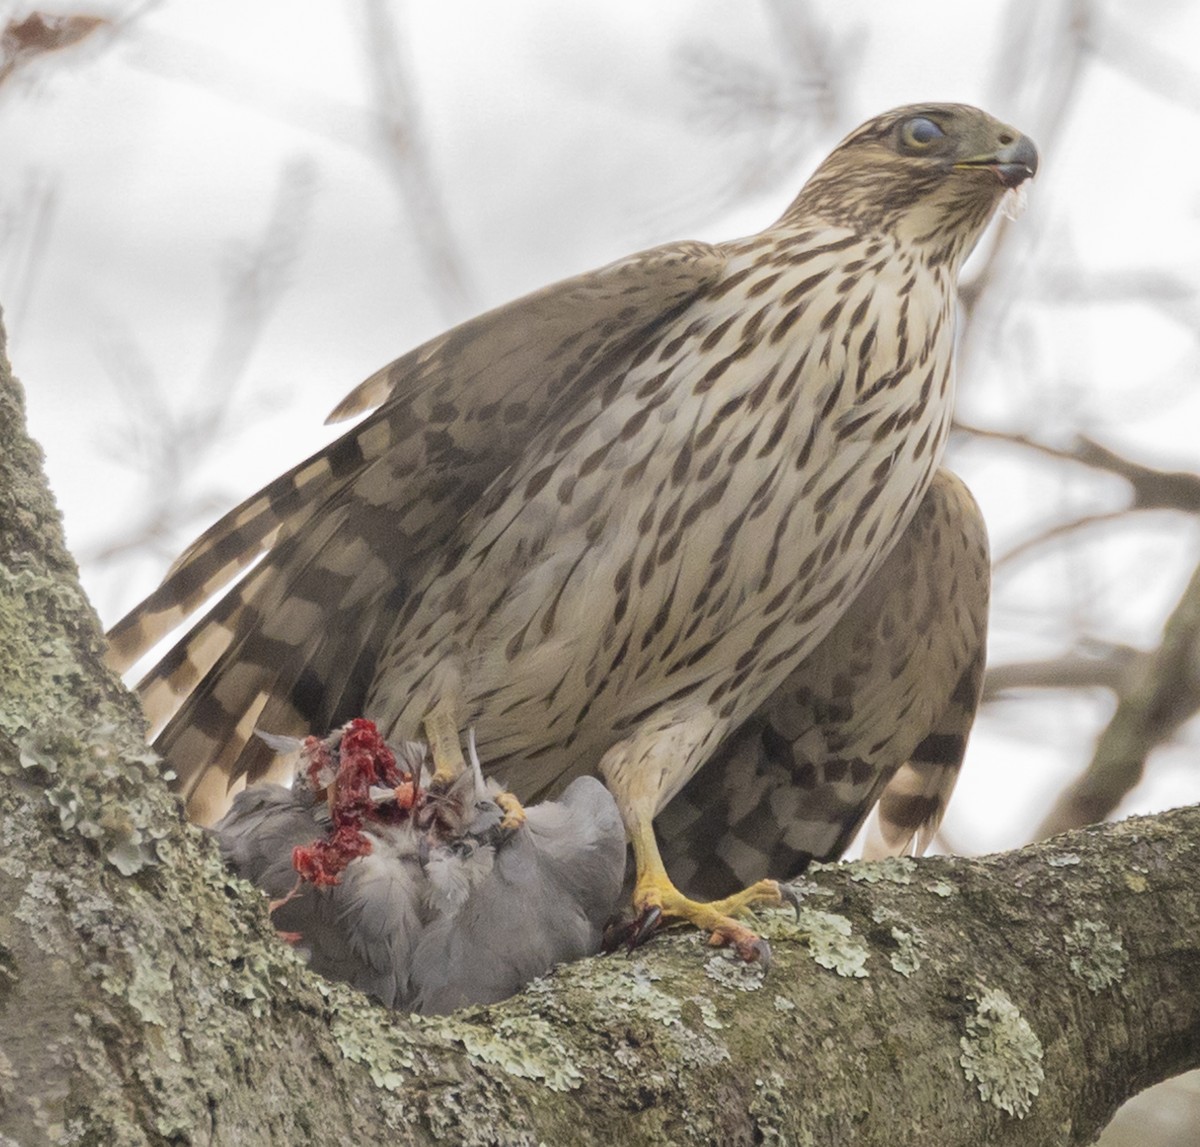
(782, 102)
(806, 43)
(1152, 488)
(407, 158)
(258, 277)
(1056, 533)
(1123, 46)
(25, 231)
(1111, 668)
(1172, 295)
(168, 442)
(1044, 52)
(37, 35)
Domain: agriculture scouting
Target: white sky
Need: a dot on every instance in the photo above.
(563, 135)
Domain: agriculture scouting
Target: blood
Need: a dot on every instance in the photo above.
(346, 770)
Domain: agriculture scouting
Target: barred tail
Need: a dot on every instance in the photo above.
(912, 805)
(277, 512)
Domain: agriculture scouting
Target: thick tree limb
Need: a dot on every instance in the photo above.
(1010, 1000)
(1161, 693)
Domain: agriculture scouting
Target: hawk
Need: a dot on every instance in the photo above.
(636, 522)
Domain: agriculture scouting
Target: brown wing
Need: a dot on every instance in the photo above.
(882, 707)
(342, 537)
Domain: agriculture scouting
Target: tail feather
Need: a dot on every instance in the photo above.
(248, 664)
(277, 512)
(912, 805)
(342, 539)
(910, 810)
(179, 679)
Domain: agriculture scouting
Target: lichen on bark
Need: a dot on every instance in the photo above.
(1002, 1054)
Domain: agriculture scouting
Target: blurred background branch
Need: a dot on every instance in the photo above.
(1157, 693)
(165, 440)
(408, 162)
(27, 39)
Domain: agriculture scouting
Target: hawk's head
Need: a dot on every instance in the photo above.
(932, 173)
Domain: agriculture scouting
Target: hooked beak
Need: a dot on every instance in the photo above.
(1012, 164)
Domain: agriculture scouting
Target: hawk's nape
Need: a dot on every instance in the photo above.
(605, 524)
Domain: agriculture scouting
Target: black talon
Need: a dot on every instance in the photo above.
(760, 951)
(788, 895)
(614, 932)
(644, 927)
(631, 934)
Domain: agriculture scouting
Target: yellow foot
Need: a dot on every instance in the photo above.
(514, 811)
(658, 902)
(441, 731)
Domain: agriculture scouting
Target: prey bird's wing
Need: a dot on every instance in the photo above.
(880, 712)
(545, 899)
(341, 538)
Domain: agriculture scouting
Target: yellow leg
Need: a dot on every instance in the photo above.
(640, 772)
(441, 731)
(514, 811)
(655, 897)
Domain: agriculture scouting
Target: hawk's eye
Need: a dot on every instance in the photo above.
(917, 134)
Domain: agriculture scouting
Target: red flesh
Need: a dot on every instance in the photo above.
(363, 761)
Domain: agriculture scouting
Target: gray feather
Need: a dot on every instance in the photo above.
(429, 923)
(260, 830)
(544, 900)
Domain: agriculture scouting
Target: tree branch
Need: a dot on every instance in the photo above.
(1112, 668)
(1055, 533)
(1158, 691)
(406, 154)
(1162, 691)
(1153, 489)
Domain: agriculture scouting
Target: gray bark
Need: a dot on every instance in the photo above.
(1015, 999)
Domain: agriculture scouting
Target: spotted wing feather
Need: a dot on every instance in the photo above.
(342, 537)
(879, 713)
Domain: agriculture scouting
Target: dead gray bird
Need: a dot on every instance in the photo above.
(447, 905)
